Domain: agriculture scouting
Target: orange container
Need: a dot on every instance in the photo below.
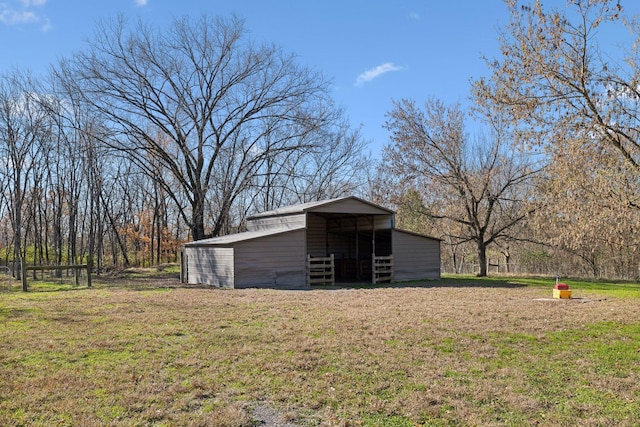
(562, 293)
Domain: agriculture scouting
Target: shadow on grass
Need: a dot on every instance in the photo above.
(445, 282)
(150, 279)
(40, 287)
(133, 280)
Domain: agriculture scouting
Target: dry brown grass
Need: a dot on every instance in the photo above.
(388, 356)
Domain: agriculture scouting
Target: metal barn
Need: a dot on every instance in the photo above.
(331, 241)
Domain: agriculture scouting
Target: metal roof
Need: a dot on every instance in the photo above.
(230, 239)
(309, 206)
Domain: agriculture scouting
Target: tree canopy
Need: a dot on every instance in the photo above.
(480, 187)
(204, 111)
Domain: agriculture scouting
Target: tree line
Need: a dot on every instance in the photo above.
(552, 186)
(151, 137)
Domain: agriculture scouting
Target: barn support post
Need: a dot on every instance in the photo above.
(373, 249)
(358, 275)
(373, 235)
(326, 236)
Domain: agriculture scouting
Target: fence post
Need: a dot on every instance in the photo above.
(89, 263)
(23, 269)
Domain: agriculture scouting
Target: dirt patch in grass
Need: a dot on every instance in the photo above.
(451, 355)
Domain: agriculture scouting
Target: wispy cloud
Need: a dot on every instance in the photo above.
(29, 3)
(24, 12)
(376, 72)
(141, 3)
(13, 17)
(415, 16)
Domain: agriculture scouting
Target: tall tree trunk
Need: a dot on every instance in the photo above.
(73, 227)
(197, 217)
(57, 231)
(507, 261)
(17, 227)
(482, 257)
(116, 234)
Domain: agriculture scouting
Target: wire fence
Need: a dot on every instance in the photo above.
(607, 271)
(74, 274)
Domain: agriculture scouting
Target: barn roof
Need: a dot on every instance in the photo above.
(311, 206)
(413, 233)
(230, 239)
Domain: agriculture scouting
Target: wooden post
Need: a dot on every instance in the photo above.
(89, 268)
(23, 268)
(183, 278)
(76, 268)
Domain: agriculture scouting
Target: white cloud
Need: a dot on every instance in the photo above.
(28, 3)
(46, 24)
(13, 17)
(373, 73)
(415, 16)
(141, 3)
(23, 12)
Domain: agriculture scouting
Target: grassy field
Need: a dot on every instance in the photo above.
(143, 351)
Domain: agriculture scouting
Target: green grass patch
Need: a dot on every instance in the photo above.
(621, 289)
(386, 421)
(462, 352)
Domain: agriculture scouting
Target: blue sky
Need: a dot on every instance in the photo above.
(373, 50)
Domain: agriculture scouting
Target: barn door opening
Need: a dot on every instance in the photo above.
(352, 239)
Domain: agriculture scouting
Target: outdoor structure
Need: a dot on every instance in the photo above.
(331, 241)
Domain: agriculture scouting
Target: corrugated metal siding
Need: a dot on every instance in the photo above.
(415, 257)
(316, 235)
(349, 206)
(276, 261)
(210, 266)
(288, 222)
(348, 223)
(383, 222)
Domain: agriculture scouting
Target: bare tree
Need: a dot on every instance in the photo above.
(560, 84)
(224, 107)
(479, 187)
(24, 132)
(584, 196)
(333, 167)
(579, 98)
